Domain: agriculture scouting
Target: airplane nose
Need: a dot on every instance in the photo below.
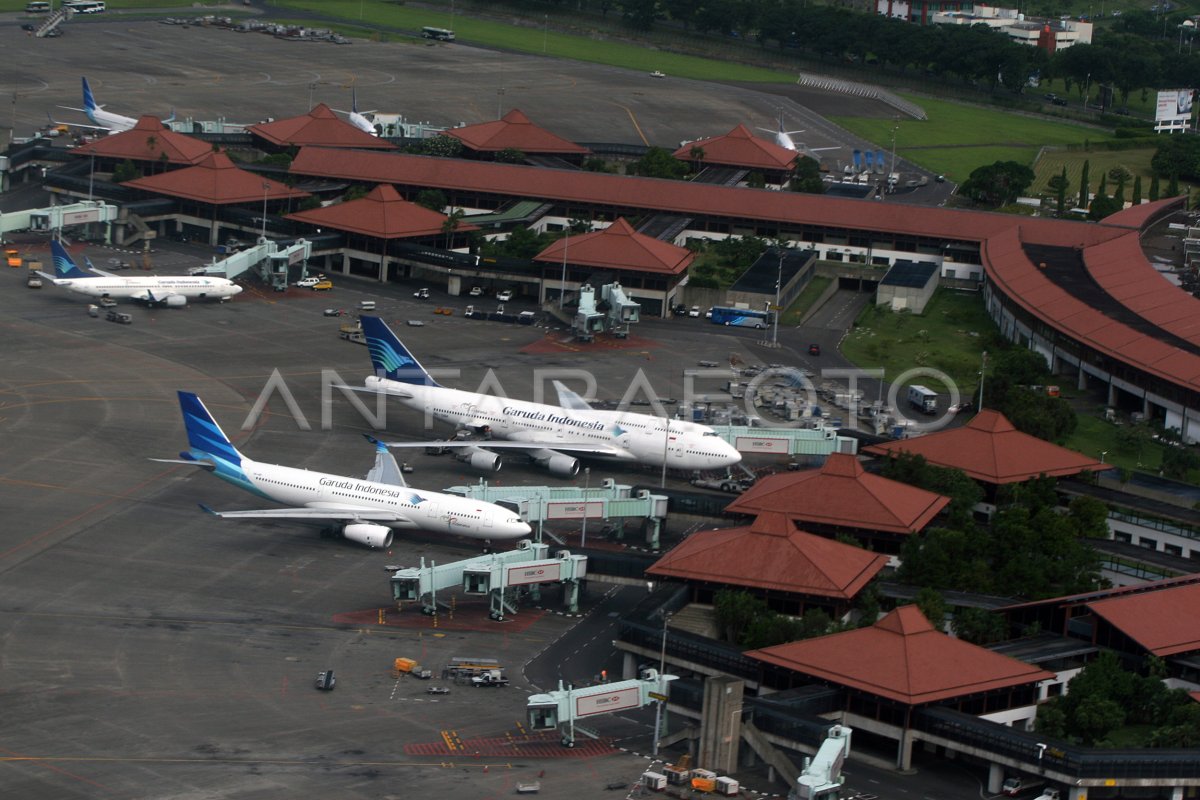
(237, 289)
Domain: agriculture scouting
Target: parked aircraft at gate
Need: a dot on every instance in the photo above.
(170, 290)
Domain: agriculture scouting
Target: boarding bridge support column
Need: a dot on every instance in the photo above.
(1081, 380)
(721, 723)
(345, 263)
(904, 751)
(571, 596)
(382, 268)
(995, 778)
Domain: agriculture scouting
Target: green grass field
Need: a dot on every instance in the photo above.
(117, 5)
(796, 311)
(958, 138)
(1136, 162)
(950, 336)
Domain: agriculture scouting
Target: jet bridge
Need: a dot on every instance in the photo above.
(822, 778)
(621, 310)
(57, 217)
(497, 575)
(610, 501)
(267, 258)
(566, 707)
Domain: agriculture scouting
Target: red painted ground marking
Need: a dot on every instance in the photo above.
(467, 617)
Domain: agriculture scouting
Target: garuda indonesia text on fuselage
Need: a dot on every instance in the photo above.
(170, 290)
(548, 434)
(364, 510)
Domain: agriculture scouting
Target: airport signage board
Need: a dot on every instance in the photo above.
(607, 702)
(591, 509)
(524, 574)
(762, 444)
(1174, 106)
(80, 217)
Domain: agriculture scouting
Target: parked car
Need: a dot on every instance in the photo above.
(421, 294)
(476, 291)
(679, 310)
(322, 286)
(307, 283)
(1011, 786)
(334, 312)
(695, 312)
(505, 296)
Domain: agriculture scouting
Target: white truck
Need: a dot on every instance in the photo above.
(490, 677)
(923, 399)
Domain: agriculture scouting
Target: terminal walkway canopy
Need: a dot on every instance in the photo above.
(216, 181)
(382, 214)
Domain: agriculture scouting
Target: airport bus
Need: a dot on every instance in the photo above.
(86, 6)
(745, 317)
(37, 8)
(440, 34)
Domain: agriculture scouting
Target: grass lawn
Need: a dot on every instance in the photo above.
(1095, 436)
(538, 40)
(957, 138)
(950, 336)
(115, 5)
(804, 301)
(1136, 162)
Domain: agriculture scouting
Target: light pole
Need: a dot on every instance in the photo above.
(91, 175)
(499, 102)
(545, 31)
(311, 86)
(266, 188)
(1087, 86)
(562, 289)
(587, 475)
(892, 171)
(662, 666)
(982, 378)
(1103, 453)
(778, 310)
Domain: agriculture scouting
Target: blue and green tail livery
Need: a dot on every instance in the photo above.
(64, 265)
(390, 357)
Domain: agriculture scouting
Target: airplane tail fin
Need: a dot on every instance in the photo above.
(171, 118)
(389, 356)
(205, 437)
(353, 100)
(89, 100)
(64, 266)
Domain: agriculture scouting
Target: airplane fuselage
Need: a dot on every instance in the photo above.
(417, 509)
(152, 289)
(636, 437)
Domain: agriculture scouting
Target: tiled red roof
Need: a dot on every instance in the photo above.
(740, 148)
(1013, 274)
(1165, 622)
(652, 194)
(218, 181)
(383, 214)
(842, 494)
(772, 554)
(148, 140)
(901, 657)
(513, 130)
(991, 450)
(320, 126)
(619, 246)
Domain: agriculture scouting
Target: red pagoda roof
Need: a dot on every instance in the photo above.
(318, 127)
(903, 658)
(991, 450)
(148, 140)
(515, 131)
(1166, 622)
(218, 181)
(619, 246)
(740, 148)
(843, 494)
(772, 554)
(383, 214)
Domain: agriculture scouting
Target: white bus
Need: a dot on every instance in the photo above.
(86, 6)
(440, 34)
(37, 8)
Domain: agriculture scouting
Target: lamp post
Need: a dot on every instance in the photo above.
(1087, 86)
(982, 378)
(499, 102)
(778, 310)
(91, 175)
(311, 87)
(266, 188)
(892, 171)
(587, 475)
(662, 666)
(562, 289)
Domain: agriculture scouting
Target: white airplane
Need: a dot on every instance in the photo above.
(365, 510)
(103, 120)
(548, 433)
(357, 118)
(783, 138)
(169, 290)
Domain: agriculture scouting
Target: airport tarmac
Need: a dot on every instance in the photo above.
(151, 650)
(142, 67)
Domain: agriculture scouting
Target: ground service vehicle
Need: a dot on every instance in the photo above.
(325, 680)
(421, 294)
(744, 317)
(922, 399)
(505, 296)
(120, 317)
(322, 286)
(86, 6)
(438, 34)
(37, 8)
(491, 677)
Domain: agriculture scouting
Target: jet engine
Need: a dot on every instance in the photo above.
(557, 463)
(175, 300)
(484, 460)
(371, 535)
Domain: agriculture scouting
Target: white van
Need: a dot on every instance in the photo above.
(366, 305)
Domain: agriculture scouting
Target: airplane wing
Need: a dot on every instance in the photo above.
(83, 125)
(590, 448)
(391, 392)
(386, 470)
(310, 514)
(569, 399)
(93, 268)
